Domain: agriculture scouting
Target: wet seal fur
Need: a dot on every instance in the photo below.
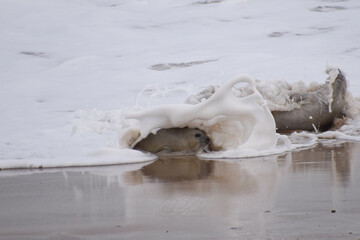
(315, 112)
(184, 141)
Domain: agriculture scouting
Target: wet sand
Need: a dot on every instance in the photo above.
(308, 194)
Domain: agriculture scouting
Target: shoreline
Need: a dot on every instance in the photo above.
(306, 194)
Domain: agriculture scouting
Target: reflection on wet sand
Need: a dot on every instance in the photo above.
(200, 175)
(257, 198)
(335, 159)
(309, 194)
(319, 197)
(178, 169)
(206, 192)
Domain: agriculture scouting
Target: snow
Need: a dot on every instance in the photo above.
(70, 67)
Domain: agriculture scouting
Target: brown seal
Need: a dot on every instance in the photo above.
(315, 112)
(187, 141)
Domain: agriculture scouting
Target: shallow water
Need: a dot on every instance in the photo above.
(309, 194)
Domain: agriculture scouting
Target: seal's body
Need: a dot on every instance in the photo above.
(316, 112)
(187, 141)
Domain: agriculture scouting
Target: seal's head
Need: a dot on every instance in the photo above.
(199, 138)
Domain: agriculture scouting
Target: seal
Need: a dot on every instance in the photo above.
(317, 110)
(183, 141)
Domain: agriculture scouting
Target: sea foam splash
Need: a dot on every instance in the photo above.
(233, 123)
(240, 125)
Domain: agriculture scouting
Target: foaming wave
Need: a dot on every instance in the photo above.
(237, 118)
(236, 124)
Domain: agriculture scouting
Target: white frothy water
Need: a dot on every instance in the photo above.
(278, 93)
(231, 122)
(236, 118)
(96, 55)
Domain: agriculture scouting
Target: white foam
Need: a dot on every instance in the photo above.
(49, 70)
(237, 119)
(100, 157)
(333, 73)
(278, 93)
(284, 144)
(301, 140)
(232, 123)
(338, 135)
